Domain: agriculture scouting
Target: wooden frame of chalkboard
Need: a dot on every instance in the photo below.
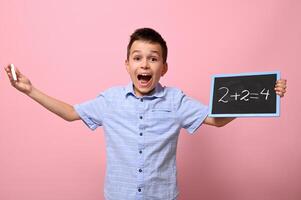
(244, 95)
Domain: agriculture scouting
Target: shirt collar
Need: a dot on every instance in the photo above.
(157, 92)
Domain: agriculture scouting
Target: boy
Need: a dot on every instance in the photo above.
(142, 121)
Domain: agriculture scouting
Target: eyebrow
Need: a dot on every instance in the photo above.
(138, 51)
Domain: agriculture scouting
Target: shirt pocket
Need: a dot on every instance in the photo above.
(161, 121)
(159, 113)
(164, 110)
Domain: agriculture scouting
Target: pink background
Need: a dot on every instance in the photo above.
(73, 50)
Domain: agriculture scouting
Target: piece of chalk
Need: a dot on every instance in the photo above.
(13, 71)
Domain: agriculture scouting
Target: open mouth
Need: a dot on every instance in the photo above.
(144, 79)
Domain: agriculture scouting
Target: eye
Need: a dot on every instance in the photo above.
(137, 58)
(154, 59)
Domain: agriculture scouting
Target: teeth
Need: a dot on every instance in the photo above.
(140, 76)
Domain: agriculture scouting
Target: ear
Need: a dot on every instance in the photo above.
(165, 69)
(126, 64)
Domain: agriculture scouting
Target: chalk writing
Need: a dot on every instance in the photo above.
(244, 95)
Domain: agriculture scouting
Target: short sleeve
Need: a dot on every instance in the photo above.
(190, 112)
(91, 112)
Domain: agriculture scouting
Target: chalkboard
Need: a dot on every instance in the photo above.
(244, 95)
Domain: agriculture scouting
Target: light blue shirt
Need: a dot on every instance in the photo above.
(141, 136)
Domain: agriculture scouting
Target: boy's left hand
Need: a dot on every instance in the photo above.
(280, 87)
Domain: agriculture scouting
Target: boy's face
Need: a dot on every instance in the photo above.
(145, 66)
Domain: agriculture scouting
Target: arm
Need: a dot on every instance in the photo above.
(280, 89)
(218, 121)
(57, 107)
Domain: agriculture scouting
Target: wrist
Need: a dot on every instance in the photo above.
(31, 92)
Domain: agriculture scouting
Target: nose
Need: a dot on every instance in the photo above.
(144, 64)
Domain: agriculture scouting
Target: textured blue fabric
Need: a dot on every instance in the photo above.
(141, 138)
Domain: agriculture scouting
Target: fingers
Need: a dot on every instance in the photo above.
(8, 72)
(10, 76)
(17, 72)
(281, 83)
(7, 69)
(280, 92)
(280, 87)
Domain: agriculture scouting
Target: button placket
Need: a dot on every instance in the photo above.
(140, 148)
(140, 189)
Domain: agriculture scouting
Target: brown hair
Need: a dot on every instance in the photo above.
(149, 35)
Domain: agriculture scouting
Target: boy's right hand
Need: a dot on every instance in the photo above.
(22, 83)
(60, 108)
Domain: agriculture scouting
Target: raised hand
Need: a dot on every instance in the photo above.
(22, 83)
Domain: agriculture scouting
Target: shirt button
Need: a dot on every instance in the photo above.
(141, 134)
(140, 152)
(141, 117)
(140, 170)
(141, 100)
(139, 189)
